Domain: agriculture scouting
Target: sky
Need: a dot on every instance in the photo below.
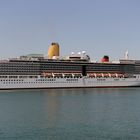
(99, 27)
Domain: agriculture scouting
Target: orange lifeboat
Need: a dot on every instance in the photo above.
(45, 74)
(113, 75)
(106, 75)
(91, 75)
(99, 75)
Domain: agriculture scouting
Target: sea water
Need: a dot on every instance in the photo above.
(70, 114)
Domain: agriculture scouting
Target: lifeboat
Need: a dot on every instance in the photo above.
(106, 75)
(113, 75)
(91, 75)
(117, 75)
(77, 75)
(46, 74)
(58, 75)
(99, 75)
(68, 75)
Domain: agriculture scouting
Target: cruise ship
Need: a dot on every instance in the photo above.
(74, 71)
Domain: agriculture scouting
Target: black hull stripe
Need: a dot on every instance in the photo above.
(68, 87)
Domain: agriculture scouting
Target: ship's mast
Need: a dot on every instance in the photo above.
(126, 56)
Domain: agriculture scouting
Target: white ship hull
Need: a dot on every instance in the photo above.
(30, 83)
(74, 71)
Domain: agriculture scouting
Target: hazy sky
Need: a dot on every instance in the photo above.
(99, 27)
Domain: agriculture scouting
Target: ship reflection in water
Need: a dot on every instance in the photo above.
(70, 114)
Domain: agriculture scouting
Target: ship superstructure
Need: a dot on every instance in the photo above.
(76, 70)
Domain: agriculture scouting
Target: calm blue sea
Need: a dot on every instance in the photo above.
(70, 114)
